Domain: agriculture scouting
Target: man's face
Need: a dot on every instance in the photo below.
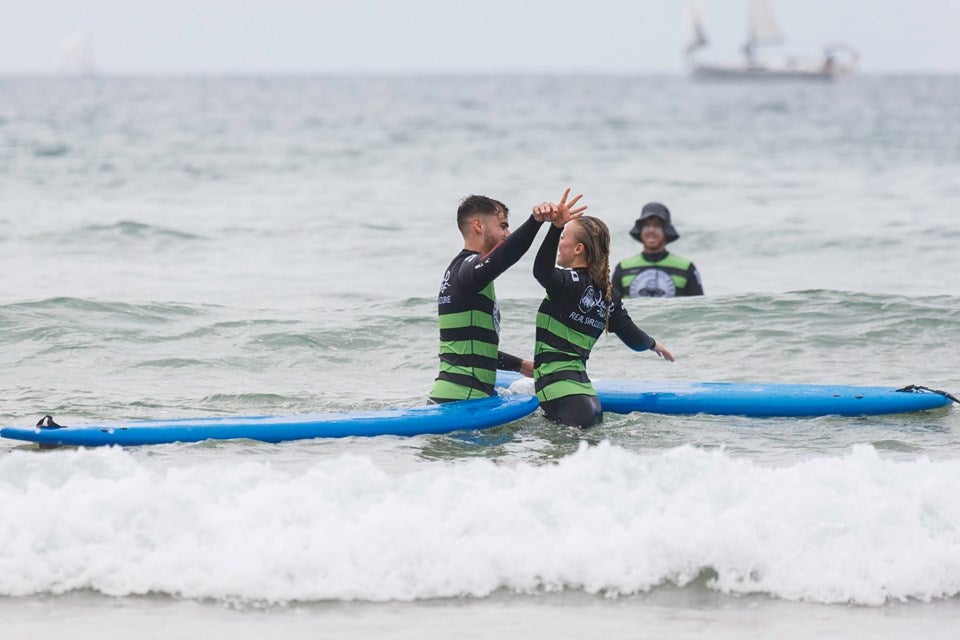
(496, 228)
(652, 236)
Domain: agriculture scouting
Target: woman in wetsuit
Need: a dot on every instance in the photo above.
(580, 305)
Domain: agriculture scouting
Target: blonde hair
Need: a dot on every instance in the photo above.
(594, 235)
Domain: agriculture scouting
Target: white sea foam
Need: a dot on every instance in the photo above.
(857, 528)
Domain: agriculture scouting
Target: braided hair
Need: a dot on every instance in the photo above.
(595, 237)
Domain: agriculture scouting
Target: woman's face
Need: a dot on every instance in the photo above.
(570, 249)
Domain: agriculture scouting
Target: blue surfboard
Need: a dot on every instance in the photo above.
(441, 418)
(751, 399)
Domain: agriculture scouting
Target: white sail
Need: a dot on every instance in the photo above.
(697, 37)
(763, 26)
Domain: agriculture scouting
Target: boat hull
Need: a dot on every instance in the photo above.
(704, 72)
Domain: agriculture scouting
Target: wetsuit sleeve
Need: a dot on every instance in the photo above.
(544, 269)
(694, 286)
(622, 324)
(616, 279)
(507, 362)
(486, 268)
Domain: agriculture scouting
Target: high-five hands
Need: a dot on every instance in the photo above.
(559, 213)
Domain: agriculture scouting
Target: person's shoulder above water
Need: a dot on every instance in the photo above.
(655, 272)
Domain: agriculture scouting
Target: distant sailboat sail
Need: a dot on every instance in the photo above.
(763, 28)
(698, 37)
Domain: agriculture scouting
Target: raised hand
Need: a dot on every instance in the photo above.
(544, 212)
(567, 211)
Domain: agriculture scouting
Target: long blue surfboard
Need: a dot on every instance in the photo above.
(432, 419)
(750, 399)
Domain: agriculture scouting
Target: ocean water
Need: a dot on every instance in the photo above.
(179, 247)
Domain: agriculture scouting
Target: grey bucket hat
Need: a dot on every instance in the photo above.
(655, 210)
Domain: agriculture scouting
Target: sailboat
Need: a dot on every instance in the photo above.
(838, 59)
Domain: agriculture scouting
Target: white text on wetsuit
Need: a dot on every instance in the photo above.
(582, 319)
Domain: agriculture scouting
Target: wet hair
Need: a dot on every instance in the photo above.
(594, 235)
(479, 205)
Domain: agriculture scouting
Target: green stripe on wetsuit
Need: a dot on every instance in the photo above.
(468, 350)
(561, 352)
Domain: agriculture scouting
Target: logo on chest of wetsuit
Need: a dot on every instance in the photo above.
(591, 304)
(653, 283)
(589, 300)
(445, 283)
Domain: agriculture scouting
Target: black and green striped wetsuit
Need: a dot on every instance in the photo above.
(570, 320)
(470, 319)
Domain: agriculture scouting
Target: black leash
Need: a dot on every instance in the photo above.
(914, 388)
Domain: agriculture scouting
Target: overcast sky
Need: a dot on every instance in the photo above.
(439, 36)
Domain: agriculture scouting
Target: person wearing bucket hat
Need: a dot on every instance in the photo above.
(655, 272)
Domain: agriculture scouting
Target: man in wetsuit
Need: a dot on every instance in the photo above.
(656, 273)
(467, 303)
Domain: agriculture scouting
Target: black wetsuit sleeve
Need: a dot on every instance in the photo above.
(544, 267)
(694, 286)
(622, 324)
(507, 362)
(486, 268)
(616, 279)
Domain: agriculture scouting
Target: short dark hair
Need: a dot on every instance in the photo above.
(479, 205)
